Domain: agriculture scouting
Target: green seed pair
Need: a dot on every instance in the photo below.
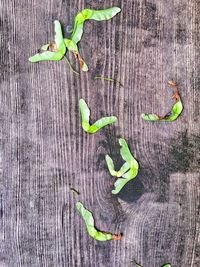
(175, 112)
(129, 170)
(56, 50)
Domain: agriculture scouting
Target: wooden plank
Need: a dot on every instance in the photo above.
(44, 151)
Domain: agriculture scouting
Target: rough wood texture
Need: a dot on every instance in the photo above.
(44, 151)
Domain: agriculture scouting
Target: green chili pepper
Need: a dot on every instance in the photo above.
(129, 169)
(92, 231)
(58, 47)
(87, 14)
(85, 116)
(173, 114)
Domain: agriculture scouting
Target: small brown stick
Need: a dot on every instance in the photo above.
(74, 71)
(74, 190)
(136, 263)
(108, 79)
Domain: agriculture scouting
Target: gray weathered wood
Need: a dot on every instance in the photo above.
(44, 151)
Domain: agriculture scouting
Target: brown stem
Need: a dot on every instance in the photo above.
(117, 237)
(159, 117)
(71, 66)
(108, 79)
(176, 95)
(80, 60)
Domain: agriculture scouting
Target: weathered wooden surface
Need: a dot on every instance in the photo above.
(44, 151)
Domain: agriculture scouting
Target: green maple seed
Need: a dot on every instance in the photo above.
(58, 48)
(92, 231)
(173, 114)
(87, 14)
(127, 172)
(85, 116)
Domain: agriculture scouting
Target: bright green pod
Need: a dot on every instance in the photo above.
(56, 50)
(92, 231)
(87, 14)
(127, 172)
(175, 112)
(150, 117)
(85, 117)
(59, 47)
(170, 116)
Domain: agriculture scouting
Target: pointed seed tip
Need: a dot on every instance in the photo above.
(31, 59)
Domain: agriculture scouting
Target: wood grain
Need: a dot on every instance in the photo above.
(44, 151)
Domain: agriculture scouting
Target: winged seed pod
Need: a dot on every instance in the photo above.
(92, 231)
(173, 114)
(127, 172)
(57, 48)
(87, 14)
(85, 116)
